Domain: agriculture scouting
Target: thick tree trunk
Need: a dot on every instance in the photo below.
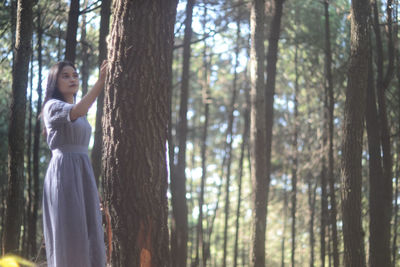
(72, 28)
(16, 134)
(382, 197)
(179, 231)
(331, 176)
(351, 177)
(257, 133)
(105, 13)
(136, 120)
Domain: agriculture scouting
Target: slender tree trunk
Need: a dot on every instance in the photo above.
(311, 192)
(285, 208)
(200, 230)
(201, 245)
(311, 202)
(354, 255)
(324, 193)
(257, 133)
(28, 204)
(16, 134)
(272, 58)
(179, 231)
(229, 140)
(136, 121)
(105, 13)
(36, 145)
(245, 137)
(13, 16)
(396, 194)
(84, 50)
(59, 45)
(295, 157)
(331, 103)
(380, 227)
(72, 27)
(396, 211)
(376, 187)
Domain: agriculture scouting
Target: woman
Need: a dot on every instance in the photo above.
(71, 210)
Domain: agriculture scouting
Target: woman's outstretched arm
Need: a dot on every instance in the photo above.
(82, 107)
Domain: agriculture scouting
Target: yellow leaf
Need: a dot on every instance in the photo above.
(14, 261)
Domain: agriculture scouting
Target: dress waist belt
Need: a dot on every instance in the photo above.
(70, 149)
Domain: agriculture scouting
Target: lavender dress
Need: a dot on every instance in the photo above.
(71, 211)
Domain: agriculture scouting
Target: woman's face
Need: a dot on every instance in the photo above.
(68, 81)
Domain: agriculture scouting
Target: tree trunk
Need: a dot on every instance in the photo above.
(311, 202)
(105, 13)
(229, 140)
(28, 204)
(376, 185)
(311, 190)
(201, 244)
(245, 137)
(396, 213)
(179, 231)
(36, 145)
(72, 27)
(16, 134)
(324, 182)
(351, 177)
(285, 208)
(136, 120)
(257, 134)
(331, 103)
(295, 157)
(382, 198)
(84, 50)
(396, 205)
(272, 58)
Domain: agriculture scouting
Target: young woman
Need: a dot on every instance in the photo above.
(71, 210)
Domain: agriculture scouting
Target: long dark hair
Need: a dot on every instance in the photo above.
(52, 90)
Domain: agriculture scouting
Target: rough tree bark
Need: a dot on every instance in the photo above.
(136, 118)
(16, 134)
(351, 178)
